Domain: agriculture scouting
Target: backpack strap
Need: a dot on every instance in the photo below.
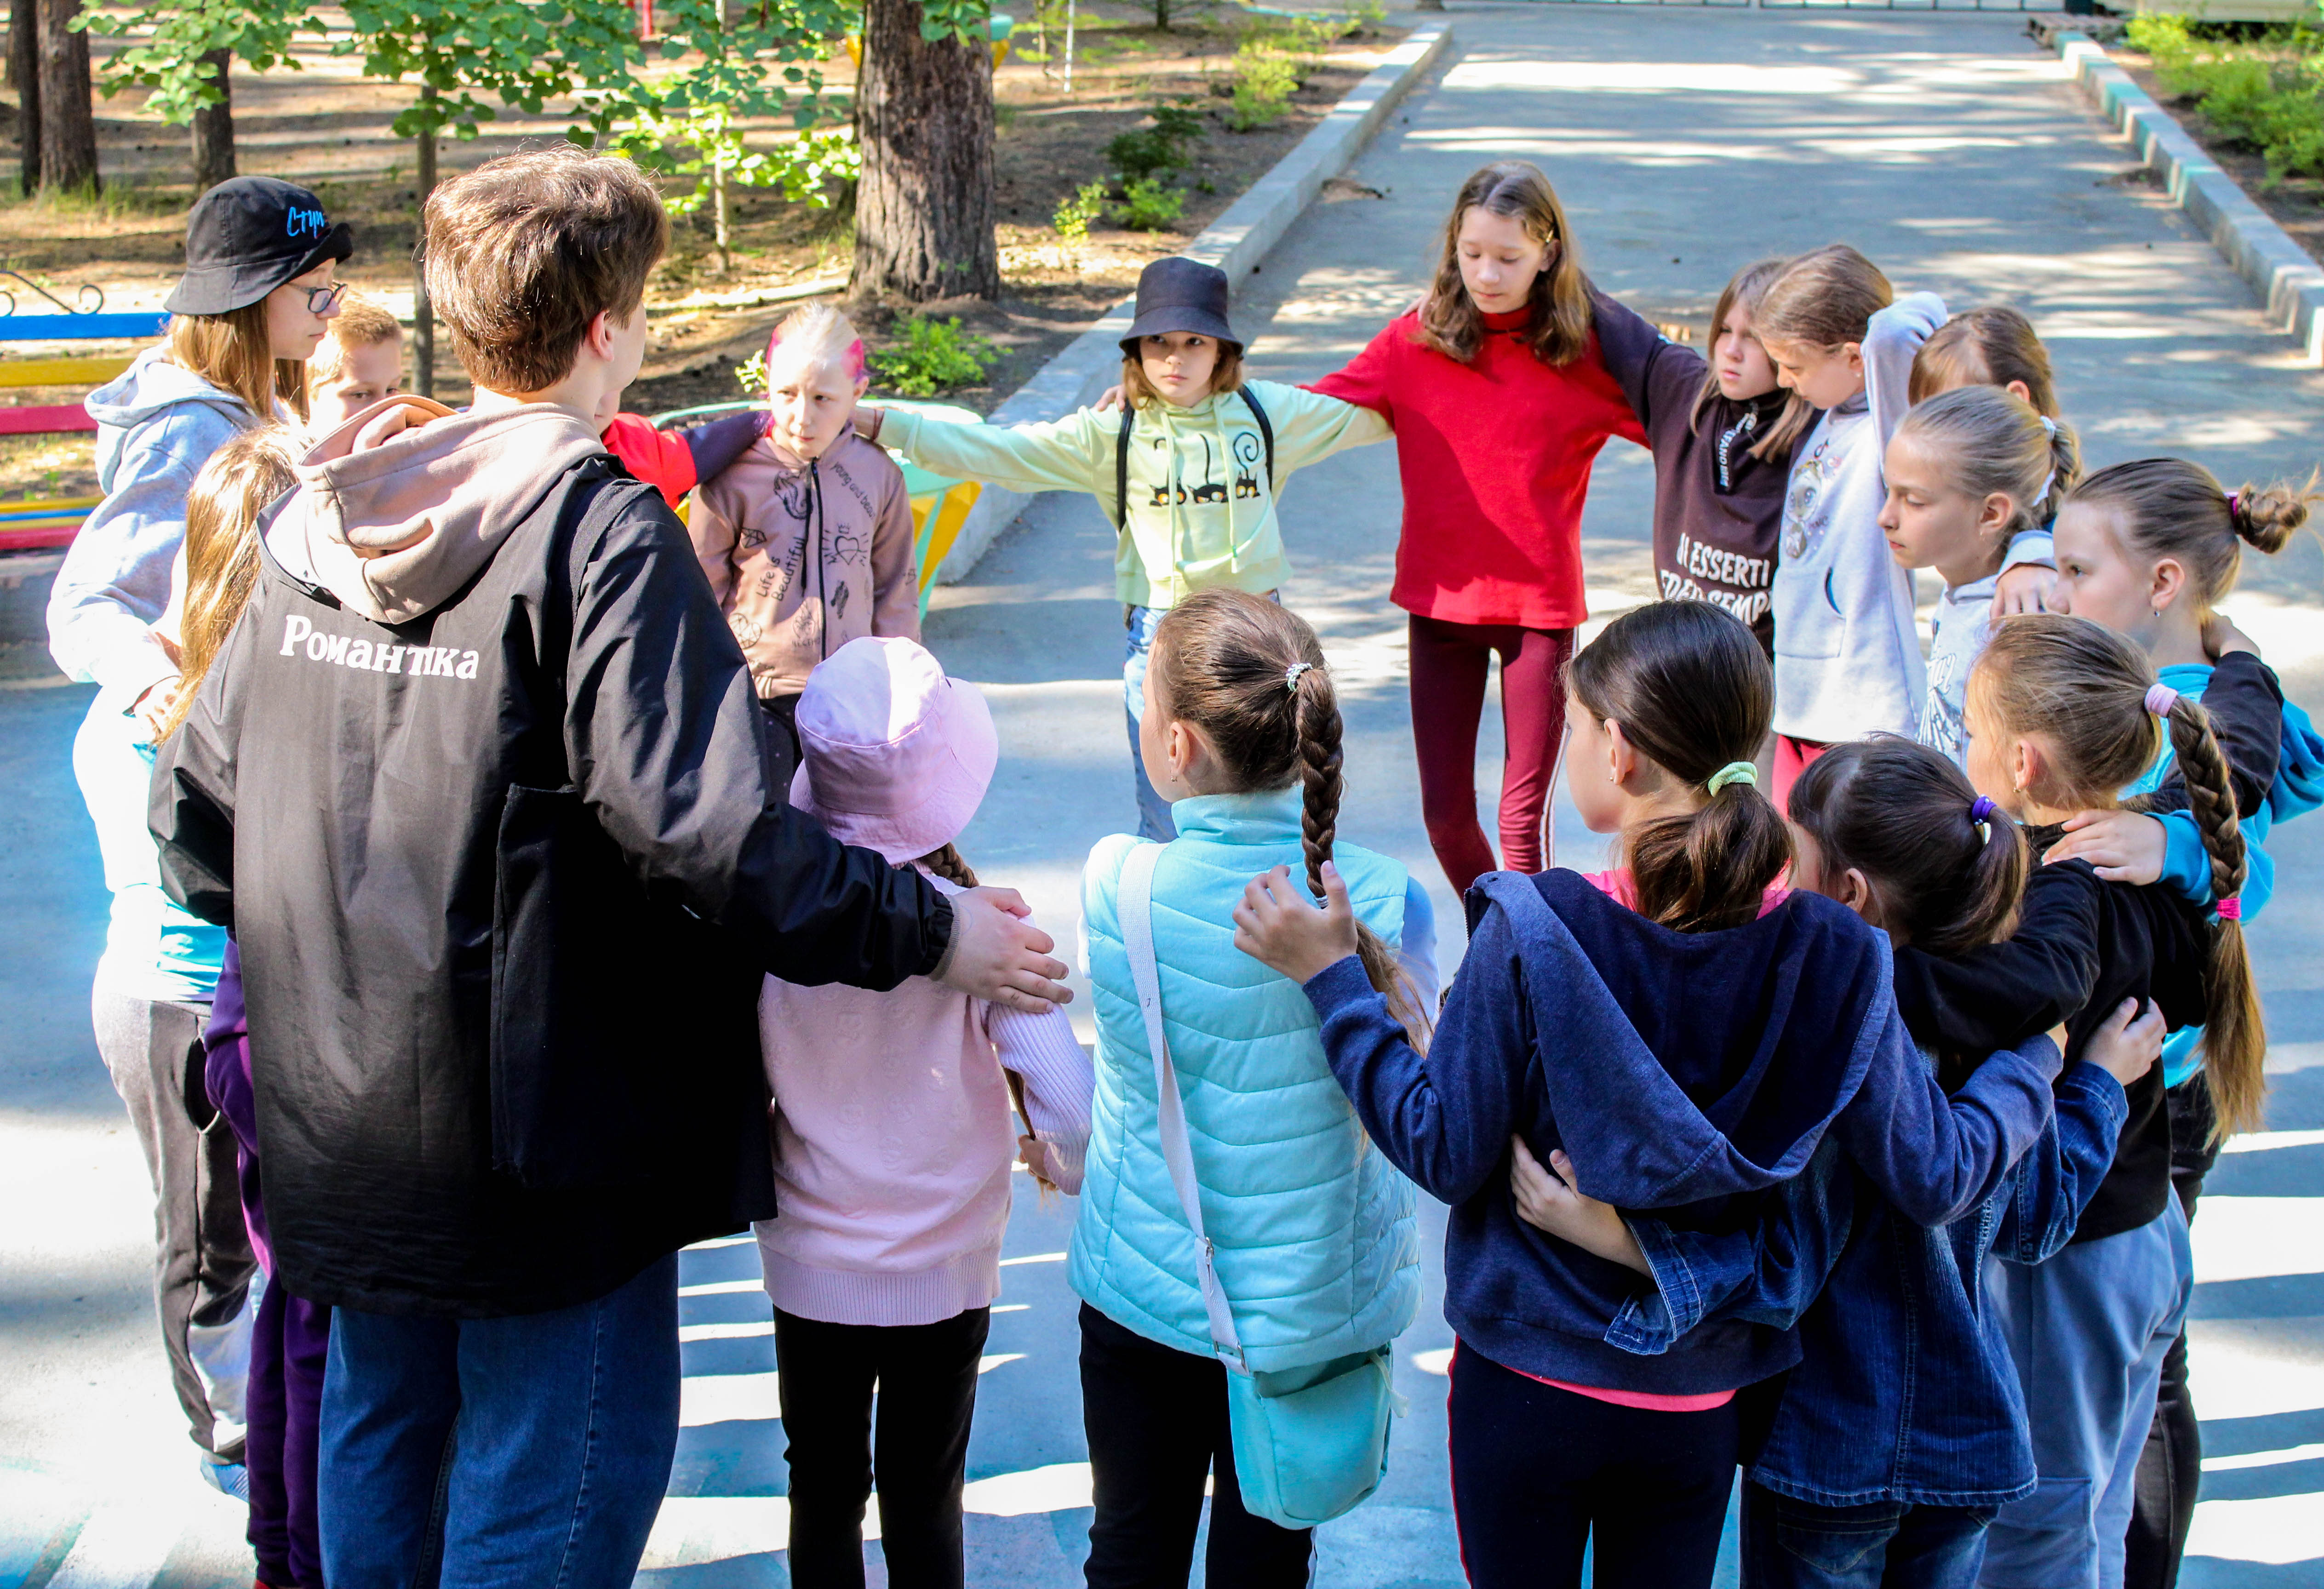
(1134, 906)
(1122, 464)
(1266, 431)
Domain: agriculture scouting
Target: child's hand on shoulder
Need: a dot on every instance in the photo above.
(2126, 1047)
(1551, 1202)
(1278, 926)
(1111, 400)
(2024, 588)
(2125, 846)
(2221, 637)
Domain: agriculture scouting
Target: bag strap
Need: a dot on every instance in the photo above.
(1122, 464)
(1265, 432)
(1134, 904)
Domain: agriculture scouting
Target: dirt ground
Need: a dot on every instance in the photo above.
(327, 127)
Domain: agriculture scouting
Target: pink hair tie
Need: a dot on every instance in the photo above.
(2231, 908)
(2161, 699)
(2235, 503)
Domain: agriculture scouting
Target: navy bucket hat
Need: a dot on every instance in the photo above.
(1179, 294)
(247, 237)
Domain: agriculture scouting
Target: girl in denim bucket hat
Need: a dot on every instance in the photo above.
(1188, 469)
(893, 1142)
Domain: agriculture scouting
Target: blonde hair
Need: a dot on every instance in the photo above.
(234, 352)
(223, 507)
(1825, 299)
(1746, 288)
(1989, 442)
(2082, 689)
(1989, 347)
(1516, 190)
(361, 322)
(820, 334)
(1226, 376)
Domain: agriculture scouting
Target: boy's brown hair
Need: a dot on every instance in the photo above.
(361, 322)
(525, 250)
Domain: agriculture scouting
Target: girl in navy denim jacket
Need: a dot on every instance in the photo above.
(1690, 1033)
(1902, 1429)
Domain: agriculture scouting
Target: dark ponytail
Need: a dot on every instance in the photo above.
(1249, 673)
(1691, 689)
(1948, 874)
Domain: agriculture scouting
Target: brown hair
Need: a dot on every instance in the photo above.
(1987, 347)
(1223, 660)
(2170, 507)
(1824, 299)
(1692, 690)
(240, 480)
(1992, 442)
(1516, 190)
(2082, 690)
(1226, 376)
(361, 322)
(525, 250)
(234, 352)
(1904, 815)
(1745, 289)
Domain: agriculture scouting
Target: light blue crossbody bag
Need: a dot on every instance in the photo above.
(1310, 1443)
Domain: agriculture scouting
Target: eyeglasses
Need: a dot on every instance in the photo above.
(319, 299)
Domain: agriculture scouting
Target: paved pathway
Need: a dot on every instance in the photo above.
(1685, 141)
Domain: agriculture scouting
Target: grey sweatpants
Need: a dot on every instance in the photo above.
(202, 1262)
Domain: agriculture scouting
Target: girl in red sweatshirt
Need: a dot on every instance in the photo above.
(1499, 401)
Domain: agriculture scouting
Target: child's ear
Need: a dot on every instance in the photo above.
(1621, 756)
(2027, 767)
(862, 385)
(1853, 351)
(1999, 508)
(2021, 391)
(2166, 583)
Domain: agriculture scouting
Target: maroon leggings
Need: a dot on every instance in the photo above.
(1449, 662)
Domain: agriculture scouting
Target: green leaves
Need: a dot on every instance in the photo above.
(522, 53)
(172, 36)
(935, 356)
(967, 21)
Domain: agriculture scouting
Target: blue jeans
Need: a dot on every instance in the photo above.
(500, 1453)
(2088, 1331)
(1791, 1544)
(1153, 812)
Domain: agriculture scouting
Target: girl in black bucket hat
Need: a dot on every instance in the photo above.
(257, 296)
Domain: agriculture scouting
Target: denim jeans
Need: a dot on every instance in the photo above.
(1138, 643)
(1789, 1544)
(500, 1453)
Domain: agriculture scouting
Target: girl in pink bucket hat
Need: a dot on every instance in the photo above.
(893, 1142)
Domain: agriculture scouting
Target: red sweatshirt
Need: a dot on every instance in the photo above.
(1494, 457)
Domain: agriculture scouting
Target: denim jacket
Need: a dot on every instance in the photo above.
(1905, 1390)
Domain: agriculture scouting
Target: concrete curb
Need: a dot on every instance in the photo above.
(1235, 243)
(2289, 282)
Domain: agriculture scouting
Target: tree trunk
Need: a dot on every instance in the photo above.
(424, 313)
(214, 130)
(924, 126)
(68, 119)
(25, 77)
(1162, 14)
(721, 238)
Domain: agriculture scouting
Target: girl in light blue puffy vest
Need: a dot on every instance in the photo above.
(1313, 1230)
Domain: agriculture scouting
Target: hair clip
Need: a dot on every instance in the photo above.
(1734, 772)
(2161, 698)
(1291, 675)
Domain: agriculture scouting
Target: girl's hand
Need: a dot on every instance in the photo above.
(1034, 1153)
(2125, 846)
(2024, 588)
(2221, 637)
(2123, 1048)
(1111, 400)
(1278, 926)
(870, 419)
(1549, 1202)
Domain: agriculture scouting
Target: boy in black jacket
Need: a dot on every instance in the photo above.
(480, 783)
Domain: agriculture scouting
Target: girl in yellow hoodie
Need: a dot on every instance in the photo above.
(1187, 469)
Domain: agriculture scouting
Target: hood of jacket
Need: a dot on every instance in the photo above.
(152, 385)
(399, 507)
(1685, 1068)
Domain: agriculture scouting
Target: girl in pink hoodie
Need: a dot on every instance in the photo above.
(893, 1142)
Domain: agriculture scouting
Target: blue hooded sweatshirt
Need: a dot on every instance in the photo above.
(1688, 1073)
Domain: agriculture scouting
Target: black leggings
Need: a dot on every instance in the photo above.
(2171, 1468)
(1157, 1420)
(1538, 1472)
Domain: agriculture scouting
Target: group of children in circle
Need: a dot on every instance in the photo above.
(1821, 1133)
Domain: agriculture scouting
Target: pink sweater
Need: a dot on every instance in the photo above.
(894, 1136)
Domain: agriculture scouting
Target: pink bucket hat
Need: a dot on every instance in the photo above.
(896, 756)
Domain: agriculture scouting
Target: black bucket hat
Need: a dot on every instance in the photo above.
(1180, 294)
(246, 237)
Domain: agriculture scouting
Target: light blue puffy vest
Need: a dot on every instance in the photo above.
(1316, 1241)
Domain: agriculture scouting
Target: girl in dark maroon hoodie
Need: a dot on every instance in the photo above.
(1722, 433)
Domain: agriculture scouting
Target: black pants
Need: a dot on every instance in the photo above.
(1156, 1421)
(2171, 1468)
(782, 737)
(925, 1375)
(1538, 1472)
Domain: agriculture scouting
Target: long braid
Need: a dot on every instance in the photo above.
(1317, 711)
(947, 864)
(2235, 1038)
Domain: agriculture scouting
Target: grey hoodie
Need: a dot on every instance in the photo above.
(157, 426)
